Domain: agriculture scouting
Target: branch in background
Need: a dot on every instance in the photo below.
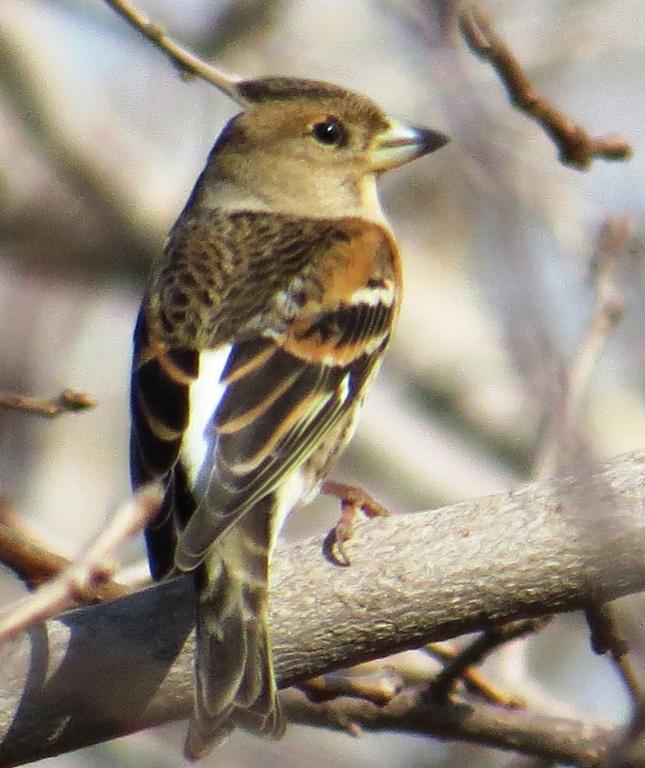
(81, 580)
(187, 62)
(126, 244)
(568, 741)
(67, 402)
(414, 579)
(379, 684)
(552, 454)
(476, 651)
(21, 551)
(605, 639)
(34, 563)
(473, 680)
(576, 147)
(625, 754)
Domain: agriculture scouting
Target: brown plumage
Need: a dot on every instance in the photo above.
(256, 341)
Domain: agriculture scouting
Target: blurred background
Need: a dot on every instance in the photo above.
(100, 143)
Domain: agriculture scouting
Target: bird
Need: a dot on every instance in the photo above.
(261, 329)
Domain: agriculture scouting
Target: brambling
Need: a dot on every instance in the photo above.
(258, 336)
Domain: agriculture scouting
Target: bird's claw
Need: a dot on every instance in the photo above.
(353, 500)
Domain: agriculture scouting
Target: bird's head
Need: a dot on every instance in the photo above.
(307, 147)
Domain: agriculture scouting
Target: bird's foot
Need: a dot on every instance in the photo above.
(353, 501)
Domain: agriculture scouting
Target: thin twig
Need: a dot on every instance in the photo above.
(34, 563)
(67, 402)
(378, 686)
(21, 552)
(553, 454)
(187, 62)
(87, 573)
(576, 147)
(473, 680)
(606, 315)
(605, 638)
(475, 652)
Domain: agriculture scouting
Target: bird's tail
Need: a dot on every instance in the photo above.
(234, 681)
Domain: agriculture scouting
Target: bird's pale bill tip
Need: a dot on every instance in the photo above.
(400, 143)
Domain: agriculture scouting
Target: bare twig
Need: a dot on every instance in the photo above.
(23, 552)
(476, 651)
(187, 62)
(568, 741)
(605, 638)
(606, 314)
(67, 402)
(378, 686)
(474, 681)
(576, 147)
(33, 564)
(554, 452)
(82, 577)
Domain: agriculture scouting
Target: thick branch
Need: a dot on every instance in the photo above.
(111, 669)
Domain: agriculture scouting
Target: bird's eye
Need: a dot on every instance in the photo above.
(329, 132)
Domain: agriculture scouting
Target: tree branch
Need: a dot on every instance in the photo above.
(67, 402)
(554, 453)
(186, 61)
(476, 651)
(81, 580)
(569, 741)
(111, 669)
(576, 147)
(125, 243)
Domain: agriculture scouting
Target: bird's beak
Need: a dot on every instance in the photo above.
(401, 142)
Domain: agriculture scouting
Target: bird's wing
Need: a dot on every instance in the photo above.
(159, 405)
(264, 429)
(281, 390)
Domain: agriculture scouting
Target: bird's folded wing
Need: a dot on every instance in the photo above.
(280, 368)
(282, 400)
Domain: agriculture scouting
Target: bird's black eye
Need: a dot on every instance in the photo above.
(329, 132)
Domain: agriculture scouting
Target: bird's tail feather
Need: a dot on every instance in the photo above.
(235, 685)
